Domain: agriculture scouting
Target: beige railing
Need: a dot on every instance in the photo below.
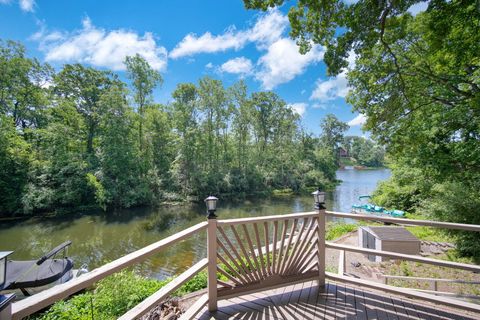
(30, 305)
(404, 291)
(254, 254)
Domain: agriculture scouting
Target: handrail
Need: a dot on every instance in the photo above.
(449, 294)
(153, 300)
(427, 223)
(195, 308)
(37, 302)
(230, 222)
(389, 254)
(429, 279)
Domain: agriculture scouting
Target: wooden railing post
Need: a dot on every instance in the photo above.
(6, 306)
(212, 262)
(321, 243)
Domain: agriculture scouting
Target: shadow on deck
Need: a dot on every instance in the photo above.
(337, 301)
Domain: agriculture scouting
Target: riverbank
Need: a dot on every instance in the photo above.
(98, 237)
(173, 201)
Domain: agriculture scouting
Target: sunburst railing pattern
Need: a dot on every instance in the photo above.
(266, 253)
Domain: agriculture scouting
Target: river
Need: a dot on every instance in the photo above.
(99, 238)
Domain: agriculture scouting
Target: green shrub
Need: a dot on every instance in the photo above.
(115, 295)
(198, 282)
(111, 298)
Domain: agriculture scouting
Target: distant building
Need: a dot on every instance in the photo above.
(343, 153)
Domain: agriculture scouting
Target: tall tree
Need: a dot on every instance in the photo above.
(144, 80)
(332, 133)
(185, 121)
(84, 87)
(119, 173)
(241, 122)
(22, 85)
(15, 158)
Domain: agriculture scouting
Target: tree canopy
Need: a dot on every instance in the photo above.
(416, 78)
(80, 137)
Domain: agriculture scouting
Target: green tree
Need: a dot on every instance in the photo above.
(84, 86)
(184, 167)
(119, 174)
(15, 159)
(160, 139)
(22, 85)
(144, 79)
(332, 133)
(213, 104)
(57, 174)
(241, 106)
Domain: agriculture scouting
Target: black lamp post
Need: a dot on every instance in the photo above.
(319, 197)
(211, 203)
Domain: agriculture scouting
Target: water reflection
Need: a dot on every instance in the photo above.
(98, 238)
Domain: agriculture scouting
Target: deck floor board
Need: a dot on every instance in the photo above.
(307, 301)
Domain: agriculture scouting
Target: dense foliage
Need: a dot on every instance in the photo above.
(82, 137)
(364, 151)
(417, 80)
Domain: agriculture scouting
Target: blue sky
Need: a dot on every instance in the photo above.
(184, 42)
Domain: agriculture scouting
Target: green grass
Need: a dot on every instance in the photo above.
(430, 234)
(283, 192)
(348, 161)
(338, 229)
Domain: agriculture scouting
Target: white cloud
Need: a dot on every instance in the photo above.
(268, 28)
(239, 65)
(279, 64)
(418, 7)
(357, 121)
(283, 62)
(27, 5)
(336, 87)
(100, 47)
(298, 108)
(207, 43)
(209, 65)
(319, 106)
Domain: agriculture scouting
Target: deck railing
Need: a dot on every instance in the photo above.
(254, 254)
(394, 255)
(30, 305)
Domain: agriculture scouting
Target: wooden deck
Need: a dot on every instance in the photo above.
(337, 301)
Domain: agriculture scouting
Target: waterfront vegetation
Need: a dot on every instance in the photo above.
(111, 298)
(81, 138)
(362, 152)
